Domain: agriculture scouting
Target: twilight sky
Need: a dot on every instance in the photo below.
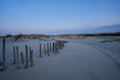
(56, 16)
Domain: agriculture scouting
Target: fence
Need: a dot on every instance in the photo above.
(26, 59)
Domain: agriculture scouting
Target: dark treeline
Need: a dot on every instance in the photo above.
(38, 36)
(103, 34)
(94, 34)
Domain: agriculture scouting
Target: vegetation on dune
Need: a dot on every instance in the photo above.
(19, 36)
(31, 36)
(70, 36)
(88, 35)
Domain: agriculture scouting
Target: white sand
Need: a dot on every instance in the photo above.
(84, 59)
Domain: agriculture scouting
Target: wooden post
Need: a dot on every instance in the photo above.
(48, 49)
(29, 53)
(50, 46)
(26, 49)
(44, 49)
(61, 44)
(57, 47)
(31, 58)
(40, 50)
(17, 52)
(4, 56)
(22, 58)
(14, 55)
(53, 47)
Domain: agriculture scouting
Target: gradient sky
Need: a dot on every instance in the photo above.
(56, 16)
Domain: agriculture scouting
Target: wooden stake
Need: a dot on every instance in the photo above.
(17, 52)
(31, 58)
(57, 47)
(14, 55)
(4, 57)
(53, 47)
(44, 49)
(22, 58)
(48, 49)
(29, 53)
(50, 46)
(40, 50)
(26, 49)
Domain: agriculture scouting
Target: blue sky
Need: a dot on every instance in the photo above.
(56, 16)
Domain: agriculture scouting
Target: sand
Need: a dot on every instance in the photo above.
(80, 59)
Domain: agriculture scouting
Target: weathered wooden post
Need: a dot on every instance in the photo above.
(14, 55)
(29, 54)
(48, 49)
(57, 46)
(61, 44)
(53, 47)
(26, 49)
(40, 50)
(4, 67)
(44, 49)
(31, 58)
(22, 58)
(50, 46)
(17, 52)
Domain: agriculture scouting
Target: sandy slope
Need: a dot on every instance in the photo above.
(75, 62)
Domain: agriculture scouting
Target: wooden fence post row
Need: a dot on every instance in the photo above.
(51, 47)
(48, 47)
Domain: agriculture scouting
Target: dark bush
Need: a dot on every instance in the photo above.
(19, 36)
(8, 35)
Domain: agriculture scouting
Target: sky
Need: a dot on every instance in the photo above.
(56, 16)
